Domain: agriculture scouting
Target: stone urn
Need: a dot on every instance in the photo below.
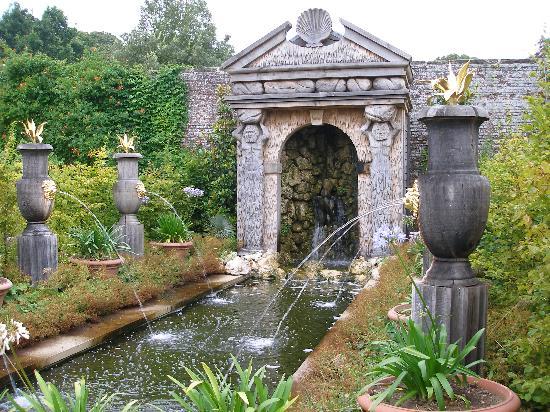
(454, 205)
(37, 245)
(108, 267)
(5, 286)
(127, 200)
(180, 250)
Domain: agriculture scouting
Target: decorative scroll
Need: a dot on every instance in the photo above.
(381, 127)
(251, 135)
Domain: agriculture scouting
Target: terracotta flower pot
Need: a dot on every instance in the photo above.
(509, 400)
(181, 250)
(108, 267)
(400, 313)
(5, 286)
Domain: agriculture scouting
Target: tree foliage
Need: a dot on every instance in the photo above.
(50, 35)
(175, 32)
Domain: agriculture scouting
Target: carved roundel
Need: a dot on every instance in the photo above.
(314, 26)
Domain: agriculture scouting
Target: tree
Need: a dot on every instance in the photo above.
(175, 32)
(15, 25)
(456, 56)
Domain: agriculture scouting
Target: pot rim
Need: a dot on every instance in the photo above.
(510, 401)
(178, 245)
(441, 111)
(5, 283)
(122, 155)
(90, 262)
(395, 312)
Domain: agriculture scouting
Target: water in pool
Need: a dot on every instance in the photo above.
(136, 365)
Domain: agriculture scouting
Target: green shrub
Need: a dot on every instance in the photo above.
(514, 255)
(172, 229)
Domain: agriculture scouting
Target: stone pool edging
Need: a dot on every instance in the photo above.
(55, 350)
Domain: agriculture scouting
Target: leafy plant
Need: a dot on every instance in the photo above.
(209, 391)
(51, 399)
(32, 131)
(221, 227)
(99, 243)
(172, 229)
(423, 365)
(454, 89)
(126, 143)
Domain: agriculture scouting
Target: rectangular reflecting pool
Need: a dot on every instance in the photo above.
(136, 365)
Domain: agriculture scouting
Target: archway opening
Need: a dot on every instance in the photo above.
(318, 194)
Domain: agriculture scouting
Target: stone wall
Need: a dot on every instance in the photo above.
(201, 86)
(500, 87)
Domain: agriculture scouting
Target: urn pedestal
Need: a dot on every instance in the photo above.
(454, 205)
(128, 202)
(37, 245)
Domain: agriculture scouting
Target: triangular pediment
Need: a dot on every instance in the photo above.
(354, 46)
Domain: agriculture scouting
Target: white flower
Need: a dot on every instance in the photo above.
(4, 339)
(385, 235)
(412, 199)
(18, 332)
(14, 332)
(193, 191)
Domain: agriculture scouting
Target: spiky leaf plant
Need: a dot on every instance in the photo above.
(454, 89)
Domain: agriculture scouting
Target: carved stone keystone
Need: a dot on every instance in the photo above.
(125, 193)
(454, 205)
(37, 245)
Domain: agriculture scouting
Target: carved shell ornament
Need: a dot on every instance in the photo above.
(314, 26)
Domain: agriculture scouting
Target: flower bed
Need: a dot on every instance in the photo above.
(73, 296)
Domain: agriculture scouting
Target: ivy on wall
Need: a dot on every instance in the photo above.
(89, 102)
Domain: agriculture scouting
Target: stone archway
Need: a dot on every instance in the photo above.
(352, 81)
(318, 193)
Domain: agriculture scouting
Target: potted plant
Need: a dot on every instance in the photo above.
(129, 193)
(422, 371)
(5, 286)
(37, 245)
(99, 249)
(173, 235)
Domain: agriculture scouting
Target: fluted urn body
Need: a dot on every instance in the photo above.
(454, 205)
(454, 197)
(37, 245)
(127, 200)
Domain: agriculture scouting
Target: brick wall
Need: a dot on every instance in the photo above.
(500, 87)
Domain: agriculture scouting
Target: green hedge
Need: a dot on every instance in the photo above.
(89, 102)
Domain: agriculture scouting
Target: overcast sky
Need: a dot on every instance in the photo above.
(423, 28)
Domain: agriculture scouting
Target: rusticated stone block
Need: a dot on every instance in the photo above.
(289, 86)
(247, 88)
(360, 84)
(330, 85)
(383, 83)
(398, 82)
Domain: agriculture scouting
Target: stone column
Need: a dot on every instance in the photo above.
(454, 205)
(127, 200)
(251, 136)
(37, 245)
(381, 128)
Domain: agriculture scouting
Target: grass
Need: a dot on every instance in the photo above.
(72, 296)
(338, 371)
